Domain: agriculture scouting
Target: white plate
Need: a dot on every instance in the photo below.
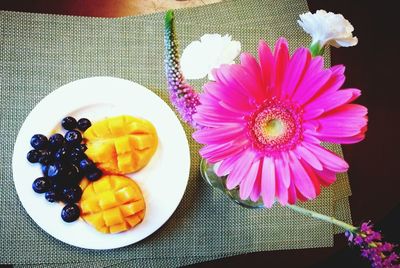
(163, 181)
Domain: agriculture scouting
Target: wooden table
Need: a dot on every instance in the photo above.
(372, 66)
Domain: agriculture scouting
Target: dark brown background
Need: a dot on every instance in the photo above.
(372, 66)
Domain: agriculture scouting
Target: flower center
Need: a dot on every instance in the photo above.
(275, 126)
(272, 128)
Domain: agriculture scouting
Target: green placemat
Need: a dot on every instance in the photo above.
(42, 52)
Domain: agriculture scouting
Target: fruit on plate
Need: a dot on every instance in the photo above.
(121, 144)
(112, 204)
(61, 158)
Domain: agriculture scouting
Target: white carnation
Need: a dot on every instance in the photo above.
(328, 28)
(200, 57)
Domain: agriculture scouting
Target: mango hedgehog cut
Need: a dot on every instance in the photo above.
(112, 204)
(121, 144)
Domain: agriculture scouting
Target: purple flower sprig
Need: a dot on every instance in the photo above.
(184, 98)
(381, 254)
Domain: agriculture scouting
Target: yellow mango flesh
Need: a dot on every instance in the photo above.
(121, 144)
(112, 204)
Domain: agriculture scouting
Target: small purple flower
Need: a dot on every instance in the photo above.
(184, 98)
(380, 254)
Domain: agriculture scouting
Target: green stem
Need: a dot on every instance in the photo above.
(316, 49)
(323, 217)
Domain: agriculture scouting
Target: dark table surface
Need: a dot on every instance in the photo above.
(374, 171)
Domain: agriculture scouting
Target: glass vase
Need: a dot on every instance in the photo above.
(209, 175)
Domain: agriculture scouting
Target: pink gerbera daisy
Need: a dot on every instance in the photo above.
(264, 123)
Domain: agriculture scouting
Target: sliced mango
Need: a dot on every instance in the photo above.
(117, 228)
(90, 205)
(112, 204)
(133, 220)
(121, 144)
(132, 208)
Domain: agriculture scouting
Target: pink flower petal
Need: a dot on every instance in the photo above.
(345, 121)
(227, 164)
(338, 69)
(231, 97)
(220, 135)
(333, 100)
(268, 182)
(334, 83)
(256, 191)
(254, 70)
(308, 157)
(348, 111)
(308, 136)
(208, 99)
(314, 178)
(345, 140)
(292, 198)
(310, 126)
(314, 79)
(356, 93)
(312, 113)
(281, 189)
(295, 71)
(301, 179)
(348, 128)
(282, 168)
(240, 169)
(215, 120)
(212, 106)
(238, 78)
(326, 177)
(328, 159)
(266, 63)
(247, 183)
(216, 153)
(282, 57)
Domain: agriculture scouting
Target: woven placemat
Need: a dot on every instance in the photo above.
(39, 53)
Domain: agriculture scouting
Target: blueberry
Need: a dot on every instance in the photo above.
(45, 169)
(71, 181)
(72, 194)
(46, 157)
(57, 186)
(83, 147)
(83, 124)
(55, 170)
(69, 123)
(56, 141)
(80, 148)
(72, 175)
(33, 156)
(86, 164)
(94, 174)
(39, 141)
(70, 213)
(41, 185)
(51, 196)
(61, 154)
(75, 157)
(72, 171)
(73, 137)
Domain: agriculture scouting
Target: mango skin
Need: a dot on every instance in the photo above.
(112, 204)
(121, 144)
